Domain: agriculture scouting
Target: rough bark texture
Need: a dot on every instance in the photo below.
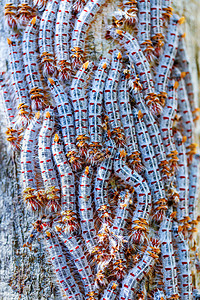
(28, 272)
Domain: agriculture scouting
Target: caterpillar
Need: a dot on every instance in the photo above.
(66, 120)
(10, 14)
(159, 295)
(184, 274)
(141, 214)
(78, 5)
(127, 120)
(110, 292)
(67, 180)
(32, 72)
(168, 259)
(25, 13)
(128, 13)
(80, 104)
(19, 86)
(62, 39)
(141, 269)
(151, 166)
(157, 34)
(28, 172)
(167, 10)
(167, 60)
(62, 271)
(95, 107)
(142, 67)
(80, 29)
(85, 208)
(144, 28)
(79, 259)
(47, 24)
(40, 4)
(182, 179)
(110, 98)
(48, 171)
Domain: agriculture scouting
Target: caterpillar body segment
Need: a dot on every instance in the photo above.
(157, 34)
(110, 293)
(159, 295)
(10, 14)
(48, 171)
(152, 171)
(167, 10)
(25, 13)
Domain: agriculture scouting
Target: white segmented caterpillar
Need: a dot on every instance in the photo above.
(28, 172)
(182, 179)
(62, 37)
(128, 125)
(25, 13)
(110, 293)
(159, 295)
(128, 13)
(81, 26)
(86, 213)
(47, 24)
(62, 271)
(80, 105)
(166, 123)
(110, 97)
(66, 120)
(80, 260)
(151, 166)
(144, 28)
(96, 105)
(48, 171)
(184, 274)
(168, 259)
(67, 180)
(10, 13)
(193, 187)
(142, 66)
(157, 25)
(166, 62)
(33, 78)
(141, 214)
(19, 86)
(136, 274)
(167, 9)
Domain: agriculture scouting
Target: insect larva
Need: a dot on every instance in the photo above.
(40, 4)
(78, 5)
(168, 259)
(33, 78)
(48, 171)
(184, 268)
(19, 86)
(144, 28)
(79, 259)
(128, 125)
(47, 24)
(151, 166)
(110, 293)
(62, 271)
(141, 269)
(157, 25)
(25, 13)
(86, 213)
(66, 120)
(141, 215)
(110, 97)
(62, 37)
(167, 10)
(166, 62)
(80, 104)
(182, 180)
(34, 233)
(159, 295)
(28, 173)
(129, 13)
(138, 59)
(68, 195)
(10, 13)
(81, 27)
(96, 107)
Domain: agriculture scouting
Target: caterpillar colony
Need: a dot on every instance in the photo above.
(104, 127)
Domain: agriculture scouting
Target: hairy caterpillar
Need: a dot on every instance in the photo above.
(141, 269)
(95, 107)
(184, 274)
(48, 171)
(25, 13)
(85, 208)
(142, 67)
(80, 104)
(67, 180)
(167, 10)
(47, 24)
(128, 13)
(141, 214)
(66, 120)
(151, 166)
(168, 259)
(40, 4)
(110, 292)
(110, 97)
(10, 14)
(62, 39)
(33, 78)
(157, 25)
(128, 125)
